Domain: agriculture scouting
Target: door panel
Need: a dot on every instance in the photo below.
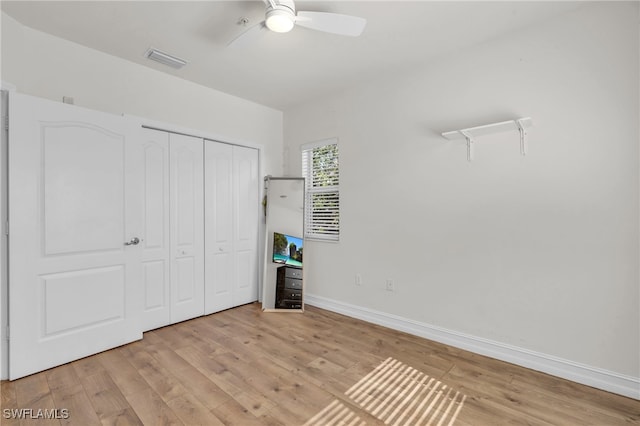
(232, 211)
(101, 289)
(156, 191)
(155, 286)
(219, 229)
(156, 250)
(76, 159)
(186, 280)
(187, 227)
(186, 167)
(246, 214)
(74, 191)
(245, 270)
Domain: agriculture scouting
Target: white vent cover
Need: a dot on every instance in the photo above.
(165, 58)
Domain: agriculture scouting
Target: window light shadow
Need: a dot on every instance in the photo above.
(396, 394)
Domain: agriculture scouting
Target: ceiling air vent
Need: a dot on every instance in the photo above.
(165, 58)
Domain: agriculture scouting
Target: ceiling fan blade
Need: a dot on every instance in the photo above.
(249, 36)
(331, 23)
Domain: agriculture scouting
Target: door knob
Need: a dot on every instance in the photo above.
(134, 241)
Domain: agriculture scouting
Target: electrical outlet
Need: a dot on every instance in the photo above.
(358, 279)
(390, 285)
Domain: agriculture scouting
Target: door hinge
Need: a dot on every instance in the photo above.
(5, 120)
(8, 333)
(6, 228)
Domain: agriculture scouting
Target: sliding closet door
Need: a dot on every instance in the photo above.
(187, 227)
(232, 208)
(75, 223)
(156, 250)
(246, 213)
(219, 257)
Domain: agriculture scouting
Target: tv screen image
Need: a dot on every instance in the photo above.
(287, 250)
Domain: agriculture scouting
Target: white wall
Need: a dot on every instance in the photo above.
(541, 252)
(49, 67)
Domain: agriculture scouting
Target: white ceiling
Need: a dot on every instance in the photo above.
(280, 70)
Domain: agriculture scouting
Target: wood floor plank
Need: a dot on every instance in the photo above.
(601, 407)
(245, 371)
(288, 414)
(107, 399)
(33, 397)
(87, 366)
(207, 392)
(7, 394)
(232, 413)
(176, 336)
(8, 402)
(212, 369)
(571, 389)
(246, 367)
(167, 357)
(255, 403)
(250, 396)
(123, 374)
(123, 417)
(192, 412)
(159, 378)
(37, 416)
(74, 400)
(62, 377)
(151, 409)
(32, 390)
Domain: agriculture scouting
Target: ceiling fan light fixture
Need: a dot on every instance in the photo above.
(281, 16)
(280, 21)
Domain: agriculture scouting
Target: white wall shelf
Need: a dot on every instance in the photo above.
(519, 124)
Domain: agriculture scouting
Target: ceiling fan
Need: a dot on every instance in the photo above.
(281, 17)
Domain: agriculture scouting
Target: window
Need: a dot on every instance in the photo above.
(322, 193)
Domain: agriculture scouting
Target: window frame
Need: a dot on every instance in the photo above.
(311, 226)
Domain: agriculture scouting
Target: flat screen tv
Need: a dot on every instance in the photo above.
(287, 250)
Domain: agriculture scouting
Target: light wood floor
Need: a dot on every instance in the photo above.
(245, 367)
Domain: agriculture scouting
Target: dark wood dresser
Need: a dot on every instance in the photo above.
(289, 288)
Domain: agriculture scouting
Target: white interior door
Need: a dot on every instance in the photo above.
(232, 209)
(156, 249)
(187, 227)
(219, 256)
(74, 191)
(246, 213)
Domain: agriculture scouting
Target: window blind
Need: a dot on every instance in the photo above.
(320, 168)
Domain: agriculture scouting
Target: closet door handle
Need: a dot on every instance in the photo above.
(134, 242)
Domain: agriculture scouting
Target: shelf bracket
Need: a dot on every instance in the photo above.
(470, 140)
(523, 136)
(471, 133)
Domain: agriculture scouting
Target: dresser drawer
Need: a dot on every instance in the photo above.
(293, 284)
(293, 273)
(291, 294)
(289, 304)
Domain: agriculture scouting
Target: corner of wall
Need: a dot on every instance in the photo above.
(4, 311)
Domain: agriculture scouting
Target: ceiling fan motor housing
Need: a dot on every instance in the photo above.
(281, 17)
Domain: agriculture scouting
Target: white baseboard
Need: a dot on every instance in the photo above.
(591, 376)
